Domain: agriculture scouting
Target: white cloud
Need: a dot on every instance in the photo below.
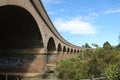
(55, 12)
(52, 1)
(110, 11)
(75, 26)
(93, 14)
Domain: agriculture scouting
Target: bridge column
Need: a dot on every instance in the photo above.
(24, 64)
(68, 55)
(51, 59)
(60, 56)
(51, 62)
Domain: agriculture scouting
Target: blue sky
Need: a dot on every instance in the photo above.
(86, 21)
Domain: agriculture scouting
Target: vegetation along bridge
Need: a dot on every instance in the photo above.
(29, 43)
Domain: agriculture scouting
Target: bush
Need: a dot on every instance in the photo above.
(72, 69)
(112, 73)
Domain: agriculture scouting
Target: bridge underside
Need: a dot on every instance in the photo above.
(20, 43)
(18, 29)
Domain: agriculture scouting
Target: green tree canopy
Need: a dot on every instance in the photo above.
(107, 45)
(86, 45)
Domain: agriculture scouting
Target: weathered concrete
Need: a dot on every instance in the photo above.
(29, 42)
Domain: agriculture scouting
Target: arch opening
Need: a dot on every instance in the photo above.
(75, 51)
(71, 50)
(51, 45)
(59, 49)
(68, 50)
(18, 29)
(64, 49)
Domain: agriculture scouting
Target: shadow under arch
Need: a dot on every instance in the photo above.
(18, 29)
(19, 33)
(51, 45)
(74, 50)
(64, 49)
(68, 50)
(71, 50)
(59, 48)
(77, 51)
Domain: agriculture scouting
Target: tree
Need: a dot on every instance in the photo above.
(118, 47)
(95, 45)
(107, 45)
(94, 68)
(86, 45)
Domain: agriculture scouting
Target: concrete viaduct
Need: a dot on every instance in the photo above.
(29, 42)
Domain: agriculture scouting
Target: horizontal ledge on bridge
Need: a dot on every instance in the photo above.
(65, 52)
(51, 65)
(23, 74)
(52, 52)
(22, 51)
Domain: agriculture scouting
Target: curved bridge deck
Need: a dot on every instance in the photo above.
(29, 42)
